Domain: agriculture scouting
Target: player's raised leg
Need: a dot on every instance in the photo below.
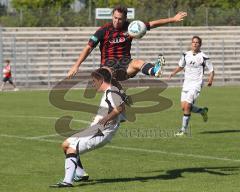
(150, 69)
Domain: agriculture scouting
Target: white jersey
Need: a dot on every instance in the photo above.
(194, 65)
(97, 135)
(109, 100)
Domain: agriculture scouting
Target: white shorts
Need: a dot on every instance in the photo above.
(190, 96)
(87, 143)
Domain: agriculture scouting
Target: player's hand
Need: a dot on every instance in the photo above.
(72, 71)
(179, 16)
(170, 76)
(103, 121)
(209, 83)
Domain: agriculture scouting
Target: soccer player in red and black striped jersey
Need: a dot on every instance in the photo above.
(7, 75)
(115, 46)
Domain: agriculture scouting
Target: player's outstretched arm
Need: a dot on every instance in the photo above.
(84, 54)
(178, 17)
(175, 71)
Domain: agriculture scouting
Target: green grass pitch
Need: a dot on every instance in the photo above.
(31, 158)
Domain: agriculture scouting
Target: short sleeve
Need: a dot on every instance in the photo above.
(207, 62)
(209, 65)
(182, 61)
(115, 99)
(96, 37)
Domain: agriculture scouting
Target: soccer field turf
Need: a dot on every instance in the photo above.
(137, 159)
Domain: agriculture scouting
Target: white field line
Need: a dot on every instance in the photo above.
(53, 135)
(29, 138)
(133, 149)
(173, 153)
(41, 117)
(44, 136)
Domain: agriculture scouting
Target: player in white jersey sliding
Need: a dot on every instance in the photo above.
(194, 63)
(99, 133)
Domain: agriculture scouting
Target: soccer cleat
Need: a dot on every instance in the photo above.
(180, 134)
(61, 185)
(204, 114)
(158, 68)
(85, 177)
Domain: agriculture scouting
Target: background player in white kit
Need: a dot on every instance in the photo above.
(193, 62)
(100, 132)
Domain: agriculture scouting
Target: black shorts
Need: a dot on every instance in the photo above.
(119, 68)
(9, 79)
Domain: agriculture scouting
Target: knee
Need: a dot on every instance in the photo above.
(182, 106)
(65, 145)
(137, 63)
(70, 150)
(186, 107)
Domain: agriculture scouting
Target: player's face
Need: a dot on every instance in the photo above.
(118, 20)
(195, 45)
(97, 83)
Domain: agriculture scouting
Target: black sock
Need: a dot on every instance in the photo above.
(146, 67)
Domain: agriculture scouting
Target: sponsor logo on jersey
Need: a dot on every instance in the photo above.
(126, 33)
(117, 40)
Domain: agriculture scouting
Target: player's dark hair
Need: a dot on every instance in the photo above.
(102, 73)
(120, 9)
(7, 61)
(198, 38)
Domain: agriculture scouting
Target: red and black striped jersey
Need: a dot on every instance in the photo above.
(115, 44)
(7, 71)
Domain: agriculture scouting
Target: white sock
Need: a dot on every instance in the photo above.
(196, 109)
(185, 121)
(70, 167)
(80, 171)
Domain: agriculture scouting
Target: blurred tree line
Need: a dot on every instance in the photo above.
(58, 13)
